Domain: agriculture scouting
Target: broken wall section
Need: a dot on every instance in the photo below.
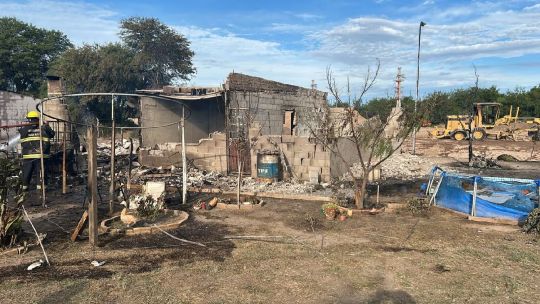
(208, 154)
(206, 115)
(278, 108)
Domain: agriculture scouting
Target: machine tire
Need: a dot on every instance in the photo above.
(459, 136)
(479, 134)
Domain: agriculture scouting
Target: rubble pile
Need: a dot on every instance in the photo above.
(199, 178)
(406, 166)
(104, 148)
(399, 166)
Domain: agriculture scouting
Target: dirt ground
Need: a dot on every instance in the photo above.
(392, 257)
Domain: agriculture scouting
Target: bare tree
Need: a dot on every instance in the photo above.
(373, 140)
(471, 116)
(240, 121)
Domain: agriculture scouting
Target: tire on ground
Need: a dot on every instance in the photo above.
(479, 134)
(459, 135)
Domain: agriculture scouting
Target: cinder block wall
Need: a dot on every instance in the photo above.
(13, 109)
(268, 100)
(208, 154)
(305, 159)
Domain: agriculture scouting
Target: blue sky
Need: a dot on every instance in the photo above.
(294, 41)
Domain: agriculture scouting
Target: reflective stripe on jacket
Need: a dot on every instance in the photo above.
(30, 141)
(34, 156)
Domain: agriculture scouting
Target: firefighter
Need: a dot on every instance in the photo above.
(31, 152)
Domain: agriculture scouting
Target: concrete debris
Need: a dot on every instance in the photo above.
(97, 264)
(35, 265)
(399, 166)
(123, 148)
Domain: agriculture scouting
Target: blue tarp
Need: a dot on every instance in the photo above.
(504, 198)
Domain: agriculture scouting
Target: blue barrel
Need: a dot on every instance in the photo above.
(268, 166)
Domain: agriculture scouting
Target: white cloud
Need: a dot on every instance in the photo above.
(217, 53)
(448, 45)
(454, 38)
(80, 21)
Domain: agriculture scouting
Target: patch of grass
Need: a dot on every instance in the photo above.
(523, 257)
(511, 284)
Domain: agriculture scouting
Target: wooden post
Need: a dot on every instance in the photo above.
(92, 186)
(184, 160)
(64, 160)
(113, 151)
(43, 195)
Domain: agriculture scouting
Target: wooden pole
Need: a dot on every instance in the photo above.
(42, 158)
(92, 186)
(184, 160)
(64, 160)
(113, 151)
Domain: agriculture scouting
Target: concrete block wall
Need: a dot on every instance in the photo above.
(304, 158)
(13, 109)
(208, 154)
(268, 101)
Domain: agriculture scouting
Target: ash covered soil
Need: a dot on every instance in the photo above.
(391, 257)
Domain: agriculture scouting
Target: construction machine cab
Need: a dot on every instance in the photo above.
(486, 114)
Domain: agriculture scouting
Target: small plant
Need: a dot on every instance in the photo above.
(330, 210)
(418, 206)
(532, 223)
(147, 206)
(11, 218)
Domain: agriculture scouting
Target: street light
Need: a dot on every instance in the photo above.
(422, 23)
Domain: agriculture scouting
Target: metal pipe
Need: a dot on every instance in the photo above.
(64, 160)
(184, 161)
(113, 151)
(417, 84)
(42, 160)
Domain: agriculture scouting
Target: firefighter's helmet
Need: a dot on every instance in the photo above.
(32, 114)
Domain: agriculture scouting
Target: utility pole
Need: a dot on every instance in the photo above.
(399, 80)
(422, 23)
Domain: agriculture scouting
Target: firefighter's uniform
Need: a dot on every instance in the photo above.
(31, 152)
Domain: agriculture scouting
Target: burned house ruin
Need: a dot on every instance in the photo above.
(274, 117)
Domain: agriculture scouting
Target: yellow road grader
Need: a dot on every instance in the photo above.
(487, 123)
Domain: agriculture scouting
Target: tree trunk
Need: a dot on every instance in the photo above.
(360, 191)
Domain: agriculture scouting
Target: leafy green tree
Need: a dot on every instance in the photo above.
(25, 54)
(161, 53)
(383, 106)
(99, 68)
